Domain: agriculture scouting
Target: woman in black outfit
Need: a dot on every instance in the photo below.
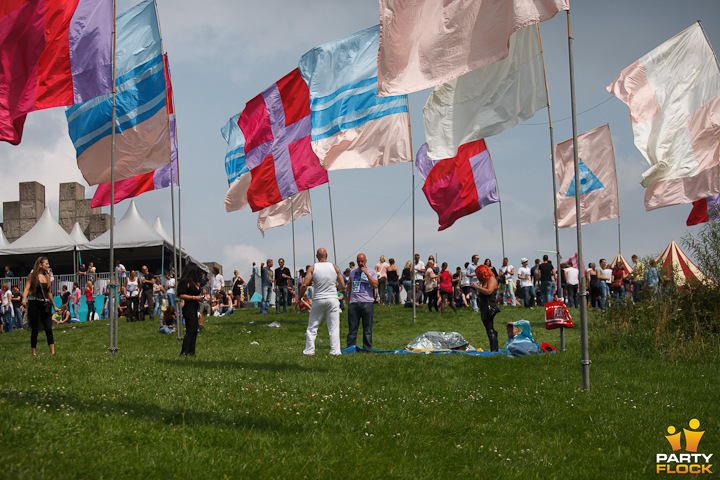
(37, 298)
(393, 284)
(487, 290)
(189, 291)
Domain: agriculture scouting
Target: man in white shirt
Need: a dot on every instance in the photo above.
(327, 279)
(604, 278)
(419, 278)
(470, 272)
(572, 280)
(507, 272)
(526, 284)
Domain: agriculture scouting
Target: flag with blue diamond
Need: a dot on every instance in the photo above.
(597, 177)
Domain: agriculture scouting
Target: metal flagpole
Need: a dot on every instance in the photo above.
(412, 191)
(497, 187)
(113, 344)
(584, 352)
(312, 227)
(292, 218)
(332, 223)
(554, 183)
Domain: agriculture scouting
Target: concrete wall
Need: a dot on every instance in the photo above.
(19, 217)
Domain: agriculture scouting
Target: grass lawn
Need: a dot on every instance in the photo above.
(238, 410)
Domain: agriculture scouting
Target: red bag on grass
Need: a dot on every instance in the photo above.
(557, 315)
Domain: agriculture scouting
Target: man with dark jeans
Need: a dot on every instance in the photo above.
(547, 278)
(361, 283)
(282, 277)
(146, 296)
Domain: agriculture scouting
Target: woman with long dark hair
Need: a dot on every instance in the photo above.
(38, 300)
(189, 291)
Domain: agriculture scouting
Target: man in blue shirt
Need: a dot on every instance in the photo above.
(361, 285)
(266, 275)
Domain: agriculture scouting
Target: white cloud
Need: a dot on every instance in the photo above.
(241, 257)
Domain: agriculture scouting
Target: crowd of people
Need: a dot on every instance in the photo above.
(323, 291)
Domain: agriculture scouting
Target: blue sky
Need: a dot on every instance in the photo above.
(226, 52)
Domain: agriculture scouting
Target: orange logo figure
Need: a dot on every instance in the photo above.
(673, 438)
(692, 437)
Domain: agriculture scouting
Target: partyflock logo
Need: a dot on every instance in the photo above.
(691, 462)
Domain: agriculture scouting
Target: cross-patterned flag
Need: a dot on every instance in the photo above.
(276, 126)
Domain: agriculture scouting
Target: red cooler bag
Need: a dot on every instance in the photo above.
(557, 315)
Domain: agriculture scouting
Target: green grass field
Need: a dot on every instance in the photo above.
(238, 410)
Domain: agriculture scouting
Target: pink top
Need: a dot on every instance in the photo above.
(76, 296)
(381, 268)
(446, 281)
(88, 295)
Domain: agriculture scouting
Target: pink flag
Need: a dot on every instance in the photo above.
(284, 212)
(426, 43)
(598, 179)
(674, 95)
(52, 53)
(461, 185)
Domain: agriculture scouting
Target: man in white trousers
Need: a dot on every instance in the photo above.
(327, 279)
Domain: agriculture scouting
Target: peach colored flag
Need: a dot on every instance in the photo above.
(424, 43)
(284, 212)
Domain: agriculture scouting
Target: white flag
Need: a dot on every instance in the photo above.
(284, 212)
(674, 97)
(487, 101)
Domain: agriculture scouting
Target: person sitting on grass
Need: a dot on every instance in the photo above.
(63, 315)
(122, 303)
(459, 297)
(224, 303)
(520, 341)
(206, 304)
(169, 317)
(305, 304)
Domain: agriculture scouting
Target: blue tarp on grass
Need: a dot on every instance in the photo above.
(356, 349)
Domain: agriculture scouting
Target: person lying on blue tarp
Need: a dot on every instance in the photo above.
(520, 341)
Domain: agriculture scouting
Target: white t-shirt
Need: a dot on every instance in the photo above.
(508, 269)
(218, 282)
(607, 273)
(170, 286)
(572, 275)
(525, 272)
(325, 281)
(420, 265)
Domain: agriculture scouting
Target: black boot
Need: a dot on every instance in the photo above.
(492, 337)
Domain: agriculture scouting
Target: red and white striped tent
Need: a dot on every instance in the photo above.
(674, 259)
(623, 263)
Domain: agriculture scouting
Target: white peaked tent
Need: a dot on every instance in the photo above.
(77, 235)
(46, 236)
(132, 231)
(158, 226)
(137, 242)
(3, 239)
(685, 271)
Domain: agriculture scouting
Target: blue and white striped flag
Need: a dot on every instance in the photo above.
(351, 126)
(142, 141)
(238, 173)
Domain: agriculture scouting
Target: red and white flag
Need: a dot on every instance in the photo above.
(674, 97)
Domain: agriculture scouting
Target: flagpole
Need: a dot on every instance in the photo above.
(292, 221)
(584, 352)
(332, 223)
(554, 183)
(717, 62)
(312, 225)
(113, 343)
(497, 187)
(412, 191)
